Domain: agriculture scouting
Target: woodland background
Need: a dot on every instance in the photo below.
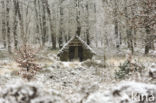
(101, 23)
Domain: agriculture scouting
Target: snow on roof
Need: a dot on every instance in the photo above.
(83, 43)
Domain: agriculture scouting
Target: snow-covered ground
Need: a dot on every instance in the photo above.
(75, 82)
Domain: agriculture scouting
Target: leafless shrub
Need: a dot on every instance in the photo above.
(25, 57)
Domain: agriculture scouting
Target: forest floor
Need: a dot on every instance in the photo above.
(74, 80)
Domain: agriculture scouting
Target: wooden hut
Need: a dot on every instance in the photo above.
(75, 49)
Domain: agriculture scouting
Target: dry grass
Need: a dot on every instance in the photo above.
(116, 61)
(9, 67)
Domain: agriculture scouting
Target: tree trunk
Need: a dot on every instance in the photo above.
(88, 26)
(40, 21)
(135, 38)
(37, 21)
(8, 25)
(116, 33)
(4, 24)
(147, 40)
(53, 35)
(44, 23)
(130, 40)
(78, 31)
(15, 24)
(128, 30)
(61, 25)
(116, 24)
(23, 35)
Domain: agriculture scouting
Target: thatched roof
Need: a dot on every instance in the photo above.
(84, 44)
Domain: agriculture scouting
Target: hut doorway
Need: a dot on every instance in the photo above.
(76, 53)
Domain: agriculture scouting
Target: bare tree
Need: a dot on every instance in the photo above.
(8, 25)
(21, 23)
(128, 28)
(88, 24)
(78, 31)
(116, 23)
(3, 23)
(44, 34)
(53, 35)
(61, 30)
(15, 24)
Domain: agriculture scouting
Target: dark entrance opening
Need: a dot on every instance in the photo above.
(76, 52)
(80, 53)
